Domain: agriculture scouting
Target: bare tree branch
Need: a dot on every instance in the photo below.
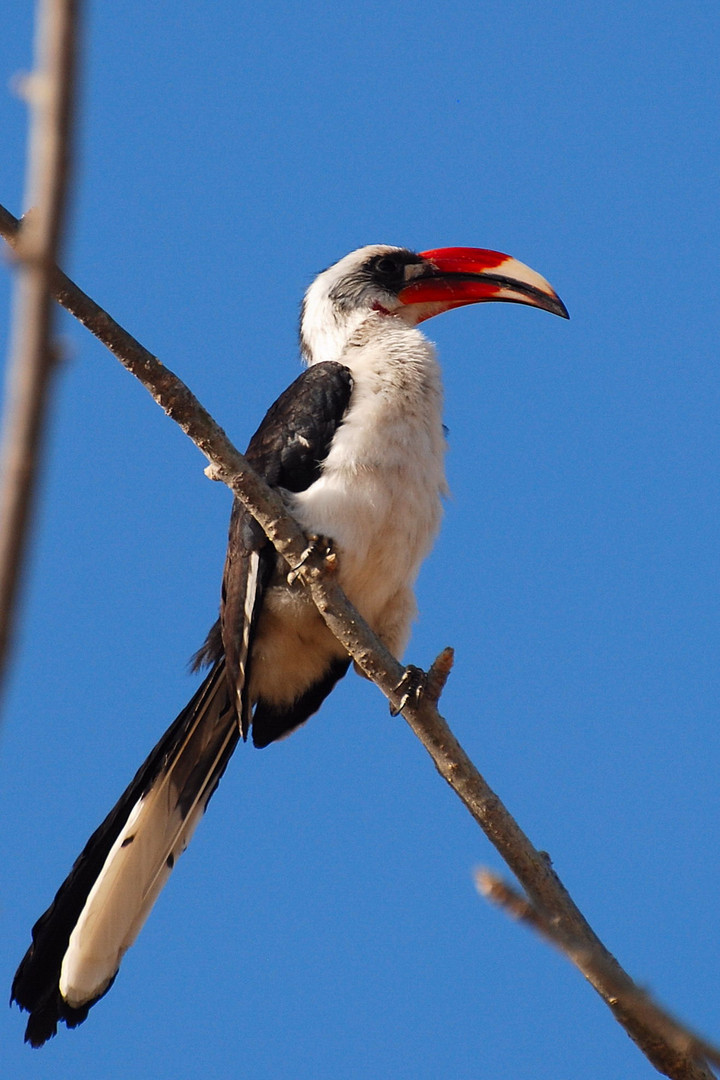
(625, 997)
(648, 1027)
(50, 91)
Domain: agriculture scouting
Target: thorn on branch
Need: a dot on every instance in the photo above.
(26, 85)
(438, 674)
(214, 473)
(495, 889)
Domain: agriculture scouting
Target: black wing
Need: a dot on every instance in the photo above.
(287, 450)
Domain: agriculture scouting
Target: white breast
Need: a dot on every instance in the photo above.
(379, 495)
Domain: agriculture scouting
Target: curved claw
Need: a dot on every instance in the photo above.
(411, 687)
(318, 546)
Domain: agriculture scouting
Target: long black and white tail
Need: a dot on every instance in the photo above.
(77, 945)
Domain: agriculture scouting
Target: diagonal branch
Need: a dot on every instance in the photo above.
(33, 355)
(675, 1054)
(627, 998)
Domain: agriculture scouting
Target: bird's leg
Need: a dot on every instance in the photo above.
(411, 686)
(319, 547)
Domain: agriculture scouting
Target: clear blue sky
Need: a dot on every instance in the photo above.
(323, 923)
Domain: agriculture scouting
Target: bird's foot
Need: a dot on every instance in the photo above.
(410, 688)
(319, 547)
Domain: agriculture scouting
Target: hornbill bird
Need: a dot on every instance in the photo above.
(356, 446)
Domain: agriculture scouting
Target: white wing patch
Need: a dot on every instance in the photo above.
(250, 593)
(244, 706)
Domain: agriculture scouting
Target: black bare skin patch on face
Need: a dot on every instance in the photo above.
(386, 271)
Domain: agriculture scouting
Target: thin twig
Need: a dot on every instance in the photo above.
(50, 92)
(531, 867)
(627, 998)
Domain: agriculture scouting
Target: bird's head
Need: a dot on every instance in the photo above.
(396, 282)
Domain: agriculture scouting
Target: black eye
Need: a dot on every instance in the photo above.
(387, 266)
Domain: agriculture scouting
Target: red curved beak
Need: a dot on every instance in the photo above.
(454, 277)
